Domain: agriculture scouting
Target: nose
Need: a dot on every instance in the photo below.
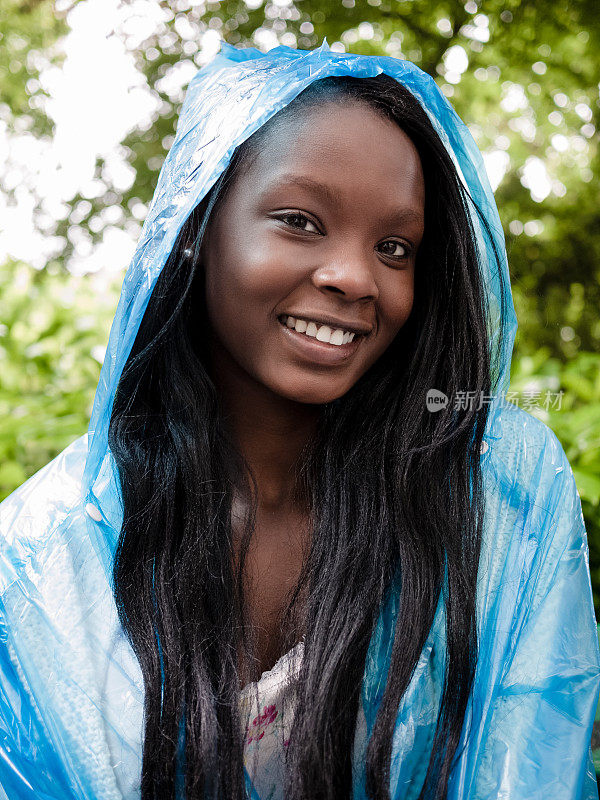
(350, 275)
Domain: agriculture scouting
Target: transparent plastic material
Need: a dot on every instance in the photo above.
(71, 693)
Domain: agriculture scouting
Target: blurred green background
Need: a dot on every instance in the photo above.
(89, 100)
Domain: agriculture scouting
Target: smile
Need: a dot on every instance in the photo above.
(322, 333)
(308, 344)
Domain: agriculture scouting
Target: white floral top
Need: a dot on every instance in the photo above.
(267, 711)
(266, 727)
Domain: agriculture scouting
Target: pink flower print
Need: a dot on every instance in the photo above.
(260, 723)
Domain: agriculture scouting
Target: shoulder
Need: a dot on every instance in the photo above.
(536, 684)
(533, 517)
(527, 466)
(43, 504)
(63, 656)
(527, 445)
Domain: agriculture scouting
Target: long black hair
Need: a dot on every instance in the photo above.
(396, 489)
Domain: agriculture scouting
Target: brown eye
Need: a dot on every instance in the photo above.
(298, 217)
(394, 247)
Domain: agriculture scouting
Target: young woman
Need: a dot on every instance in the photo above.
(306, 550)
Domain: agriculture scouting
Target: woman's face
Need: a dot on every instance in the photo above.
(324, 228)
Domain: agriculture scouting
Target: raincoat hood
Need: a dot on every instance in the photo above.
(71, 694)
(226, 102)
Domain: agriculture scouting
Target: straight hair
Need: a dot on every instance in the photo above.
(397, 490)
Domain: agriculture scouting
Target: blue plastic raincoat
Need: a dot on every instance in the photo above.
(71, 692)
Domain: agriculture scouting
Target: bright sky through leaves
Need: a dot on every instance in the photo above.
(99, 95)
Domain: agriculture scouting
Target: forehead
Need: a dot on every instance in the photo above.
(351, 150)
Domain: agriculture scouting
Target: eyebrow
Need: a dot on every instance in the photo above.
(304, 182)
(290, 179)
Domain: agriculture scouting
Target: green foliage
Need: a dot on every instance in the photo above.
(51, 323)
(28, 34)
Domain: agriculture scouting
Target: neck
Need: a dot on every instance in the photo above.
(269, 430)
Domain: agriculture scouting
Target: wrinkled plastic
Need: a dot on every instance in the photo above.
(71, 692)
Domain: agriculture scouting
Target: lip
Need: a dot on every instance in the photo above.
(319, 352)
(363, 328)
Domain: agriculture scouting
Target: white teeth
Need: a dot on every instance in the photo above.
(323, 333)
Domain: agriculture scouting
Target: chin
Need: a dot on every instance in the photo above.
(312, 395)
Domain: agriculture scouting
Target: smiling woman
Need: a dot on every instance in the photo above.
(271, 570)
(311, 230)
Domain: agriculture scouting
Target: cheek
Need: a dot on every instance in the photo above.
(396, 304)
(246, 281)
(249, 273)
